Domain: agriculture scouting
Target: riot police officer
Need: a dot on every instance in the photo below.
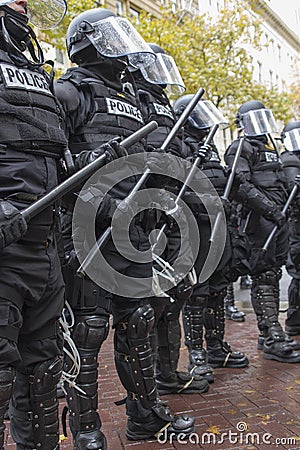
(291, 166)
(153, 83)
(205, 308)
(32, 290)
(98, 107)
(262, 192)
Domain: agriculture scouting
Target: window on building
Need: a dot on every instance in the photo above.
(60, 56)
(271, 77)
(279, 52)
(134, 15)
(119, 8)
(259, 71)
(173, 6)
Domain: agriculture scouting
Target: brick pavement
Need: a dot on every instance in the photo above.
(265, 396)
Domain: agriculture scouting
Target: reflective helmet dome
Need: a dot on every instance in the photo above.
(291, 136)
(76, 38)
(251, 105)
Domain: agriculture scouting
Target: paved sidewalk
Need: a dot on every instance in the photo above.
(263, 398)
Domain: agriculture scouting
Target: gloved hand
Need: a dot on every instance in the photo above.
(204, 152)
(12, 224)
(276, 216)
(183, 290)
(169, 206)
(239, 178)
(157, 160)
(114, 150)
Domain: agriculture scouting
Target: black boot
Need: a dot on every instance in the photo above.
(147, 416)
(192, 315)
(168, 379)
(231, 311)
(266, 300)
(292, 323)
(148, 424)
(218, 351)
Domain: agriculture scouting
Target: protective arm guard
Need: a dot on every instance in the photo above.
(291, 167)
(250, 196)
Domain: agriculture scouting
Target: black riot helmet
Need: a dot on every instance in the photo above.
(291, 136)
(98, 33)
(254, 119)
(202, 118)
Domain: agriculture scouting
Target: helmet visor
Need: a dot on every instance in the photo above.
(205, 115)
(258, 122)
(164, 71)
(43, 15)
(46, 15)
(292, 140)
(115, 37)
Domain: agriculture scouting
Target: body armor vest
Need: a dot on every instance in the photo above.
(156, 107)
(267, 168)
(29, 113)
(113, 113)
(212, 169)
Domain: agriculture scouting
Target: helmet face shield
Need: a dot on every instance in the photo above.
(164, 71)
(291, 140)
(115, 37)
(258, 122)
(41, 14)
(46, 15)
(206, 115)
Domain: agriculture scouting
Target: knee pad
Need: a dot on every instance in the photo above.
(90, 331)
(141, 322)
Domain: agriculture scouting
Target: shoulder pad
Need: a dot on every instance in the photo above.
(67, 95)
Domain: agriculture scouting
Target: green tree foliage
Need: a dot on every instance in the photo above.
(212, 53)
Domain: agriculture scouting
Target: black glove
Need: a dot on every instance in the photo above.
(204, 152)
(114, 150)
(157, 160)
(276, 216)
(239, 178)
(168, 204)
(12, 224)
(183, 290)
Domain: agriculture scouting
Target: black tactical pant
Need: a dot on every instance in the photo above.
(31, 302)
